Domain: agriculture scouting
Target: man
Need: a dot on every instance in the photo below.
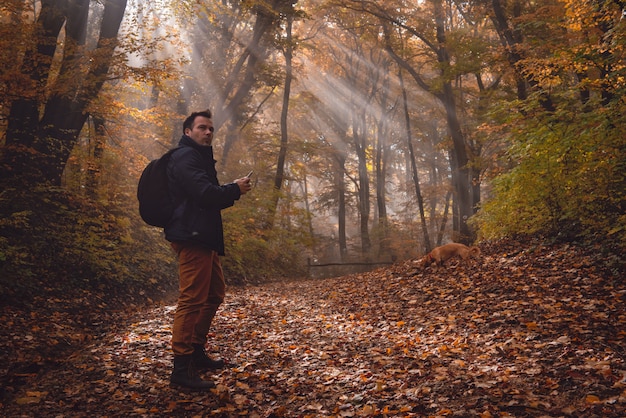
(196, 234)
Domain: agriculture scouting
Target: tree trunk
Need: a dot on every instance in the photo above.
(381, 193)
(255, 55)
(341, 205)
(359, 133)
(94, 162)
(416, 182)
(444, 220)
(307, 205)
(16, 160)
(445, 94)
(462, 181)
(56, 133)
(511, 39)
(284, 137)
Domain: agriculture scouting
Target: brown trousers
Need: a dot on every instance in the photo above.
(201, 292)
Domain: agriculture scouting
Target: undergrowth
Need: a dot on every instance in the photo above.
(54, 244)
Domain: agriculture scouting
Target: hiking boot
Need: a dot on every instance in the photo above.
(204, 362)
(186, 375)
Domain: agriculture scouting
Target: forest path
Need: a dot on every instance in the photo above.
(535, 332)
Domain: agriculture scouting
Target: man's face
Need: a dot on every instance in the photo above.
(201, 131)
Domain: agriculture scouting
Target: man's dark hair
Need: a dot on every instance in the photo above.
(188, 123)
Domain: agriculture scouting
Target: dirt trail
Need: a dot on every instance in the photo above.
(532, 333)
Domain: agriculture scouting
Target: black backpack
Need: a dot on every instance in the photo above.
(155, 204)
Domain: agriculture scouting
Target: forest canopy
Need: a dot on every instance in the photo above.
(376, 130)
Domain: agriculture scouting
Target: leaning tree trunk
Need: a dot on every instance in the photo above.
(254, 56)
(416, 182)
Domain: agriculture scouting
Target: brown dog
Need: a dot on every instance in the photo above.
(442, 254)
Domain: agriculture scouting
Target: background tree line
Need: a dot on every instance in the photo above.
(375, 129)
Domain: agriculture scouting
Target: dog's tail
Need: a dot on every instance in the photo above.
(474, 251)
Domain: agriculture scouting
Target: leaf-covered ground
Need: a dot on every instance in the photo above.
(532, 332)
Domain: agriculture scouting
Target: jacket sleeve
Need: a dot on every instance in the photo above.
(191, 175)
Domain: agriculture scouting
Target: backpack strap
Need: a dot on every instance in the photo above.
(169, 154)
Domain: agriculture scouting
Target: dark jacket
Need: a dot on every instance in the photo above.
(193, 182)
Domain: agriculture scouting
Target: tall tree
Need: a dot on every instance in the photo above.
(435, 39)
(382, 157)
(355, 87)
(506, 17)
(246, 34)
(413, 165)
(284, 133)
(38, 145)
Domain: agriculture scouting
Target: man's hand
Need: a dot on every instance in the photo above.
(244, 184)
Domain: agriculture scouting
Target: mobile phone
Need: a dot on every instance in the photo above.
(250, 173)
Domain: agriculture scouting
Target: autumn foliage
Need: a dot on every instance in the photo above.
(405, 125)
(567, 176)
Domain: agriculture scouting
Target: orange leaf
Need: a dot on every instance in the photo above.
(592, 399)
